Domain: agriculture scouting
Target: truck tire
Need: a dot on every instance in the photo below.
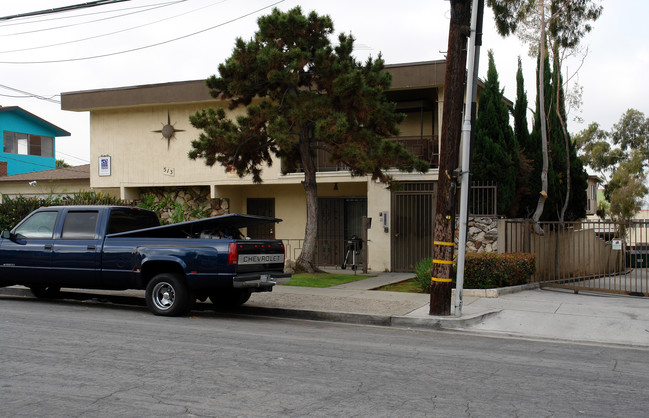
(45, 292)
(229, 298)
(168, 295)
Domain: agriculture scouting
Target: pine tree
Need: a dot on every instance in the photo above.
(308, 96)
(495, 153)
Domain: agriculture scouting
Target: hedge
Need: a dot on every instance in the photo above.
(484, 270)
(490, 270)
(14, 209)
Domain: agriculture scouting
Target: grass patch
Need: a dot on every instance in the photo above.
(408, 286)
(323, 279)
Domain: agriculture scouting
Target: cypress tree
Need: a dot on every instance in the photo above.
(533, 151)
(522, 136)
(557, 175)
(495, 155)
(561, 153)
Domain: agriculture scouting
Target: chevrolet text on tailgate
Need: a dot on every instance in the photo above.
(120, 248)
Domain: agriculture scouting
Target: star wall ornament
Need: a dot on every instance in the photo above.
(168, 131)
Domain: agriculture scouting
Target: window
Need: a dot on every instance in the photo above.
(25, 144)
(47, 146)
(80, 225)
(34, 145)
(39, 225)
(123, 220)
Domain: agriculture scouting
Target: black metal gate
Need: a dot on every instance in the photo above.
(589, 255)
(339, 219)
(413, 215)
(261, 207)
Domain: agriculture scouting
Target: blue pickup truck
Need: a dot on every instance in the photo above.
(119, 248)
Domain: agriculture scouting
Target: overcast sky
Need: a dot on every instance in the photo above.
(186, 40)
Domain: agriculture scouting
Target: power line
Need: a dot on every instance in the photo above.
(64, 9)
(5, 157)
(28, 94)
(72, 156)
(92, 21)
(115, 32)
(146, 46)
(31, 22)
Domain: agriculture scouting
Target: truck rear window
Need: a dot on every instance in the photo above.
(130, 220)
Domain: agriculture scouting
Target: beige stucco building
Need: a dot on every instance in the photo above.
(140, 137)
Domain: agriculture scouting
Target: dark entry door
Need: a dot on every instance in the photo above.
(413, 214)
(339, 219)
(261, 207)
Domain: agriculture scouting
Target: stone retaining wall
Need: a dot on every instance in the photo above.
(482, 234)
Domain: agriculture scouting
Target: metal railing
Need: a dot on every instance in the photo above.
(425, 147)
(483, 199)
(329, 252)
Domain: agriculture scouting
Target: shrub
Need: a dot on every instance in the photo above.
(423, 274)
(178, 212)
(490, 270)
(484, 270)
(13, 210)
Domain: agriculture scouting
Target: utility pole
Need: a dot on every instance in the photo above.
(468, 134)
(444, 230)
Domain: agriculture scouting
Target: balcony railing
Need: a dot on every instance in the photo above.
(425, 147)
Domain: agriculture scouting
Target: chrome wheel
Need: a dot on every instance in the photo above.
(167, 295)
(164, 296)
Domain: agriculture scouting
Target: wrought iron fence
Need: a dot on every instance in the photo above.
(483, 198)
(589, 255)
(329, 252)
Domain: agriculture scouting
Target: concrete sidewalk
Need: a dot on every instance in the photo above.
(525, 312)
(530, 313)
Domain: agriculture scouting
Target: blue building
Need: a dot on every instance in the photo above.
(28, 142)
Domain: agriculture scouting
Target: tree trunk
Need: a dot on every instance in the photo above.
(566, 138)
(544, 129)
(444, 229)
(306, 261)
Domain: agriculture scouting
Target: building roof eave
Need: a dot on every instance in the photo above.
(416, 75)
(36, 119)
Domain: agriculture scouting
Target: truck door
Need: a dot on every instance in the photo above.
(76, 254)
(29, 257)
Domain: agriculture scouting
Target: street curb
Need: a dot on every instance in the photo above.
(496, 292)
(345, 317)
(441, 322)
(434, 322)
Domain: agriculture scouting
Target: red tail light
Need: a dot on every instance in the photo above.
(233, 253)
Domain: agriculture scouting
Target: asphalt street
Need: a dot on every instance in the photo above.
(71, 358)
